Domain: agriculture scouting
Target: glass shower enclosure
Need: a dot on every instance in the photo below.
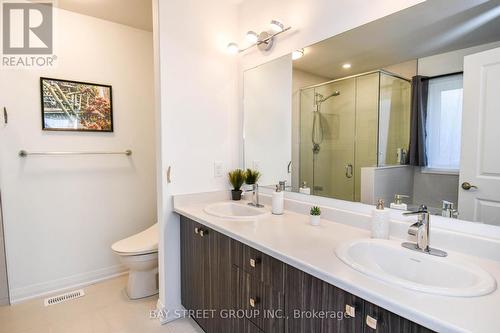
(350, 123)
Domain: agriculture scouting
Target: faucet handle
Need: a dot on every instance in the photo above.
(421, 210)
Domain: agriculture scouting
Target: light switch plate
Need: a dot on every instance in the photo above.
(256, 165)
(218, 169)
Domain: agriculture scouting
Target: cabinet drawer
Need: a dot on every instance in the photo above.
(262, 267)
(263, 305)
(377, 319)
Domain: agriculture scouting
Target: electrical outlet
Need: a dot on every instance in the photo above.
(218, 169)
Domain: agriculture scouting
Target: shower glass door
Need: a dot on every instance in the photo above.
(327, 139)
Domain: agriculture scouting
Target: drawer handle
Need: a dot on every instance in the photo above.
(253, 302)
(203, 232)
(196, 230)
(371, 322)
(254, 262)
(350, 310)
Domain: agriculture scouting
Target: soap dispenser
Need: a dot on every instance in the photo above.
(304, 189)
(398, 202)
(278, 201)
(380, 221)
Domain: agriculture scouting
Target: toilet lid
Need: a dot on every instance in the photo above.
(144, 242)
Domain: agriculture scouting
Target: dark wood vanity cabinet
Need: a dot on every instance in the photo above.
(206, 275)
(324, 308)
(243, 290)
(259, 281)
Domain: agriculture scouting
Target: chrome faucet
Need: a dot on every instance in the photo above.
(255, 196)
(421, 229)
(448, 209)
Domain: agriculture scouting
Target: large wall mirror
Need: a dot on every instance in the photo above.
(406, 108)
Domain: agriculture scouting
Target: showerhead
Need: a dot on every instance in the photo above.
(321, 99)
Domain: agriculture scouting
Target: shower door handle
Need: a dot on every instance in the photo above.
(348, 171)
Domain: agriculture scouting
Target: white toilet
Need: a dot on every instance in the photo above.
(140, 254)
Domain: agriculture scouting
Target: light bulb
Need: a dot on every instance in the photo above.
(277, 26)
(297, 54)
(346, 66)
(233, 48)
(252, 37)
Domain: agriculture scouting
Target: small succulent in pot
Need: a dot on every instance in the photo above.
(315, 215)
(237, 179)
(252, 176)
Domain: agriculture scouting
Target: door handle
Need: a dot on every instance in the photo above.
(168, 174)
(5, 116)
(467, 186)
(348, 171)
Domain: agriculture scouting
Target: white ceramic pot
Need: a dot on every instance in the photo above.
(315, 219)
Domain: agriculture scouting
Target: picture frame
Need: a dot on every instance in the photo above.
(76, 106)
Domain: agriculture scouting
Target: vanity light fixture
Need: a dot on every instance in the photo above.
(297, 54)
(346, 66)
(264, 41)
(277, 26)
(252, 37)
(232, 48)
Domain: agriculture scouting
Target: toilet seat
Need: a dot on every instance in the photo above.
(139, 244)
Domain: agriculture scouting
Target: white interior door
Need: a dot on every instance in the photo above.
(480, 159)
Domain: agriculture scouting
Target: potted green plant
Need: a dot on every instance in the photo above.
(315, 216)
(237, 179)
(252, 176)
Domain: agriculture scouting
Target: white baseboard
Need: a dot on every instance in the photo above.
(71, 282)
(167, 316)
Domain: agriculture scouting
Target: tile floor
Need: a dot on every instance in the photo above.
(105, 308)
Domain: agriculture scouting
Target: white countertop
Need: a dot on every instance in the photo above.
(291, 239)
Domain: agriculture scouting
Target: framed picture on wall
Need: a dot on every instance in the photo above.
(76, 106)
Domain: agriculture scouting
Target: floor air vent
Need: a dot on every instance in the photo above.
(64, 297)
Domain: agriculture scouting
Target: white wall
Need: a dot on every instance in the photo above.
(449, 62)
(62, 214)
(268, 120)
(198, 114)
(4, 289)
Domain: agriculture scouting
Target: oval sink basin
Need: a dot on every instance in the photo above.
(390, 262)
(238, 211)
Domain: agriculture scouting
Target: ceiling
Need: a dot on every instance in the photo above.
(134, 13)
(426, 29)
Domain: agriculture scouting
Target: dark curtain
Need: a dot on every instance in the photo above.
(419, 90)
